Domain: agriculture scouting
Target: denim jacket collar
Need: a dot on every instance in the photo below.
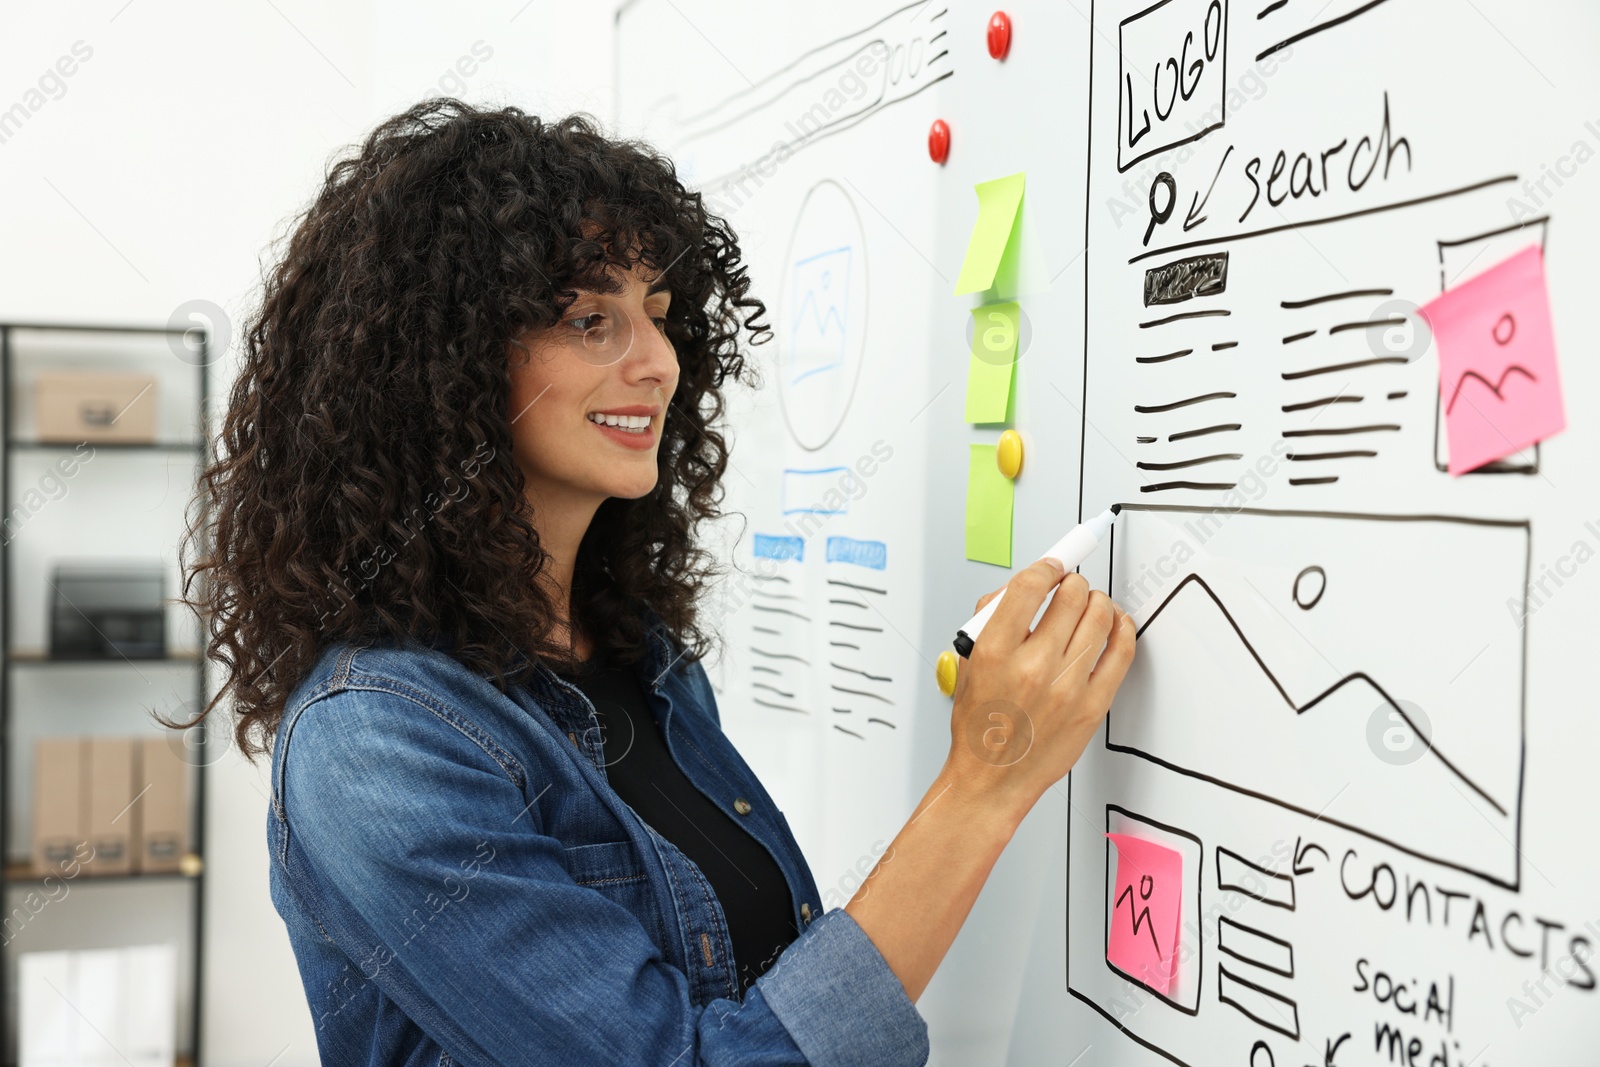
(571, 710)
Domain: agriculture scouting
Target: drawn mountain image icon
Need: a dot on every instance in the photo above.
(1498, 377)
(1498, 388)
(822, 316)
(1230, 689)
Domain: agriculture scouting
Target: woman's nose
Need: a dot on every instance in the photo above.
(651, 355)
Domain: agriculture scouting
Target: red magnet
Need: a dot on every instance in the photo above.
(939, 141)
(999, 34)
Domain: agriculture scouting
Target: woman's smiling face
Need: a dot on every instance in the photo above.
(589, 394)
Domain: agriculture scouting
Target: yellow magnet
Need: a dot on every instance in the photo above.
(945, 671)
(1008, 454)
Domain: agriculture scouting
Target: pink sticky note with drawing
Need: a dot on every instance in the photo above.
(1498, 384)
(1143, 937)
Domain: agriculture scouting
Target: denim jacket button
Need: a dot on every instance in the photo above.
(741, 805)
(805, 912)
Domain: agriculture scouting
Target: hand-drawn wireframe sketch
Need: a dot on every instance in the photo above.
(733, 141)
(823, 319)
(1224, 640)
(1331, 685)
(1249, 680)
(1247, 290)
(816, 637)
(847, 620)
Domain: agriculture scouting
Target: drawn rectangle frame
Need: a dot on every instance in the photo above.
(1499, 466)
(1199, 905)
(1222, 120)
(1235, 887)
(1514, 884)
(1225, 923)
(1222, 997)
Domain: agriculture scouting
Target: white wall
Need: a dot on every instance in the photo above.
(158, 173)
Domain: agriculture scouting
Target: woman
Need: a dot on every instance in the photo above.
(447, 560)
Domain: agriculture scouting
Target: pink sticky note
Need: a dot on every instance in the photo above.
(1498, 384)
(1144, 912)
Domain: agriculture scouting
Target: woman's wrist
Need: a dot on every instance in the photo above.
(999, 794)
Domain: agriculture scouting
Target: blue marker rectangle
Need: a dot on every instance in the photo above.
(816, 491)
(769, 546)
(874, 554)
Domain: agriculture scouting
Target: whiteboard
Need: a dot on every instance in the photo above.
(1360, 708)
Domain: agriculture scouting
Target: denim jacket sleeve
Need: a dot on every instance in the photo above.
(430, 864)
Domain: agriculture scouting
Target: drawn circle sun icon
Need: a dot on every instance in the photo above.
(1309, 585)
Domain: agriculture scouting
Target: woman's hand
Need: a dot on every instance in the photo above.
(1026, 703)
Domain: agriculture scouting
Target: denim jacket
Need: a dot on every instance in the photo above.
(462, 886)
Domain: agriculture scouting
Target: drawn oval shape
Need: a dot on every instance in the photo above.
(1309, 585)
(1509, 322)
(823, 323)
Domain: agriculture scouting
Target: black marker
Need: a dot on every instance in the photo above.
(1070, 552)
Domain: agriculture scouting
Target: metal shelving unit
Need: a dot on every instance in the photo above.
(15, 877)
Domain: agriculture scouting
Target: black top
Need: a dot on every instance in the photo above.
(747, 881)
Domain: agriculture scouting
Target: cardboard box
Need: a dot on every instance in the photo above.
(57, 802)
(73, 406)
(108, 789)
(163, 810)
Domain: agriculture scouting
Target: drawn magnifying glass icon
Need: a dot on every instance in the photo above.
(1160, 215)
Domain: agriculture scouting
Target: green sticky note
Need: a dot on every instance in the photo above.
(998, 201)
(992, 367)
(989, 496)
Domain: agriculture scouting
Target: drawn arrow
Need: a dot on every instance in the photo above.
(1194, 218)
(1300, 866)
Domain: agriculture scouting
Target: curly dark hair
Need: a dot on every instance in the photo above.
(364, 487)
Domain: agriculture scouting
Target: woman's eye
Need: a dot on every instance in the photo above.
(661, 322)
(585, 323)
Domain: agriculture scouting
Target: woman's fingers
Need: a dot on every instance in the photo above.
(1094, 626)
(1008, 626)
(1061, 617)
(1056, 682)
(984, 600)
(1114, 663)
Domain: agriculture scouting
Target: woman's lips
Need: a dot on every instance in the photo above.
(640, 441)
